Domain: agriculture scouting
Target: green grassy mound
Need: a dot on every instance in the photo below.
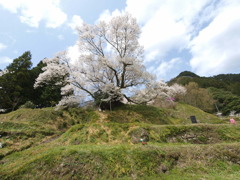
(24, 128)
(124, 162)
(139, 114)
(182, 112)
(87, 144)
(114, 133)
(154, 115)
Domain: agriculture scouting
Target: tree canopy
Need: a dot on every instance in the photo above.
(110, 66)
(14, 83)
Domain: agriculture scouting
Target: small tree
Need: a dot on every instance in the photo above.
(176, 92)
(199, 97)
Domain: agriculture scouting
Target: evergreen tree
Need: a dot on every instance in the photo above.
(15, 85)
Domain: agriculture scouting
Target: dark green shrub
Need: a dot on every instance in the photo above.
(28, 105)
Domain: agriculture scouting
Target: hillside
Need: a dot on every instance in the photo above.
(88, 144)
(223, 89)
(227, 82)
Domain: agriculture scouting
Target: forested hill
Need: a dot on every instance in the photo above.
(227, 82)
(228, 77)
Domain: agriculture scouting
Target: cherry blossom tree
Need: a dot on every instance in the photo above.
(176, 91)
(110, 67)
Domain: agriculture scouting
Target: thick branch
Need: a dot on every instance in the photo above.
(76, 84)
(115, 74)
(123, 75)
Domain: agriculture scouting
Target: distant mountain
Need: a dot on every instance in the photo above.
(227, 82)
(187, 74)
(228, 77)
(224, 88)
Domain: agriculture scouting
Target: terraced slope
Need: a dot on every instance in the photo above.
(25, 128)
(86, 144)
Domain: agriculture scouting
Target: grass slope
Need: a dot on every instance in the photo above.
(114, 133)
(124, 161)
(24, 128)
(181, 115)
(86, 144)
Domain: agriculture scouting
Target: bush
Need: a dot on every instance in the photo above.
(28, 105)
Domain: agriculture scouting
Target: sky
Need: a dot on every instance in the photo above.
(202, 36)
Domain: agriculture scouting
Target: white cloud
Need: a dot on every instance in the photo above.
(216, 49)
(2, 46)
(167, 66)
(207, 29)
(75, 22)
(32, 12)
(106, 15)
(163, 37)
(166, 25)
(5, 60)
(73, 52)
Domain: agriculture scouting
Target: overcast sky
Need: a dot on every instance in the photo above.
(202, 36)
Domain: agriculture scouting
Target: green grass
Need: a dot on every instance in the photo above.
(140, 114)
(87, 144)
(114, 133)
(155, 115)
(122, 161)
(181, 115)
(24, 128)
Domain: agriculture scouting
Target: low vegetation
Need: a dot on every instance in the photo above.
(88, 144)
(24, 128)
(124, 162)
